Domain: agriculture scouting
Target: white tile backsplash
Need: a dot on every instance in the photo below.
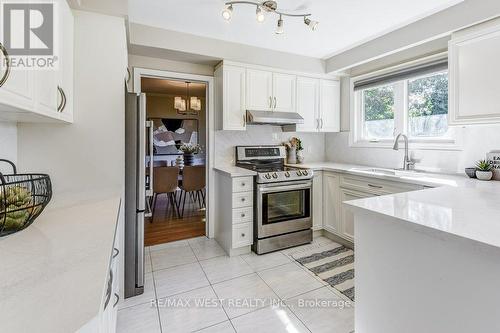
(8, 145)
(225, 141)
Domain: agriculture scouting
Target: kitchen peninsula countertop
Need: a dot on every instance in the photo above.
(456, 205)
(53, 274)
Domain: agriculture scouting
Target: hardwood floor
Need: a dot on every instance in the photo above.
(167, 227)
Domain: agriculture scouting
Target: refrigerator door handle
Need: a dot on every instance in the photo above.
(139, 278)
(141, 149)
(149, 125)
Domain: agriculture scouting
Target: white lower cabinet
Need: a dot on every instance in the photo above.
(317, 200)
(234, 213)
(346, 216)
(340, 187)
(331, 201)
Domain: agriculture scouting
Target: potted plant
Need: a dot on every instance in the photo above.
(483, 170)
(189, 149)
(294, 149)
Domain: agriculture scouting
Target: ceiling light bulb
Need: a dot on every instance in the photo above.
(227, 12)
(279, 28)
(313, 25)
(260, 15)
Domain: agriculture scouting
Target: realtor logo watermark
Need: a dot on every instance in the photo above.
(29, 34)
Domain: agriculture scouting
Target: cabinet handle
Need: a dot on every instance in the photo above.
(375, 186)
(108, 290)
(275, 103)
(321, 122)
(270, 102)
(61, 106)
(242, 235)
(317, 123)
(243, 184)
(242, 214)
(7, 64)
(242, 199)
(117, 300)
(244, 120)
(116, 252)
(127, 78)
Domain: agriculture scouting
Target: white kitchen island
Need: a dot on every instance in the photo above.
(429, 260)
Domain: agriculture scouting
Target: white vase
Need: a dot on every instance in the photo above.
(484, 175)
(292, 156)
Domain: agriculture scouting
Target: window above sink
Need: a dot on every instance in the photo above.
(411, 99)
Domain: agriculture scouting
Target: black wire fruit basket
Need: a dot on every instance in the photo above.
(22, 198)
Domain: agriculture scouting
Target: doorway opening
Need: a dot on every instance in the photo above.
(177, 111)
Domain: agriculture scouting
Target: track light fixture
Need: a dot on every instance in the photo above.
(279, 28)
(310, 23)
(260, 15)
(268, 7)
(227, 13)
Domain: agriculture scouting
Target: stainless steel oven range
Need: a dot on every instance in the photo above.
(283, 198)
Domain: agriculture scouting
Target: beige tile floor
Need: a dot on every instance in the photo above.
(197, 288)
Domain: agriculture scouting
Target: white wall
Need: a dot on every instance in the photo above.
(225, 141)
(89, 154)
(169, 65)
(8, 145)
(478, 140)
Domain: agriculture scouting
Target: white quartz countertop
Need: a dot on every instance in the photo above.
(53, 274)
(234, 171)
(419, 178)
(460, 206)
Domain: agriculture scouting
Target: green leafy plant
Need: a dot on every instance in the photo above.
(190, 148)
(483, 165)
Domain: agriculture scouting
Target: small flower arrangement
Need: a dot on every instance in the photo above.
(294, 142)
(190, 148)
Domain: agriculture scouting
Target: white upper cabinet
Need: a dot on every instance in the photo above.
(230, 97)
(308, 103)
(474, 69)
(43, 94)
(259, 90)
(284, 92)
(318, 102)
(65, 75)
(240, 87)
(329, 106)
(17, 91)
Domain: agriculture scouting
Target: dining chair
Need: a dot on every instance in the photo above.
(193, 182)
(166, 182)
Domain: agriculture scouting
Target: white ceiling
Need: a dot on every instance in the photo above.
(343, 23)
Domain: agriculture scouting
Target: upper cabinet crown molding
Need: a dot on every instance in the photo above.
(474, 70)
(240, 87)
(43, 95)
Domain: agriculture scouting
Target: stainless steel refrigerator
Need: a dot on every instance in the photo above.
(138, 150)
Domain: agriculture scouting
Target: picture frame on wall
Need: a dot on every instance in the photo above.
(170, 133)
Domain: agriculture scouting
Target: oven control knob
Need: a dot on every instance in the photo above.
(275, 175)
(287, 174)
(299, 173)
(305, 173)
(268, 176)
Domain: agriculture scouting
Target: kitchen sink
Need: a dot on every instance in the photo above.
(386, 172)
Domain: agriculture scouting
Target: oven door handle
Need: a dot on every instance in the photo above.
(284, 188)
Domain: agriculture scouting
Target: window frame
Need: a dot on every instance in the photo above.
(452, 141)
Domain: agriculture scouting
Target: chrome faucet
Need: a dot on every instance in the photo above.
(408, 164)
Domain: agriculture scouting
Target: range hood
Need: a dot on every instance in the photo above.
(288, 120)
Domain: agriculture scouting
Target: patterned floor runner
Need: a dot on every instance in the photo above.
(333, 263)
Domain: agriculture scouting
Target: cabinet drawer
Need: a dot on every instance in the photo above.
(243, 199)
(242, 215)
(374, 185)
(242, 234)
(242, 184)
